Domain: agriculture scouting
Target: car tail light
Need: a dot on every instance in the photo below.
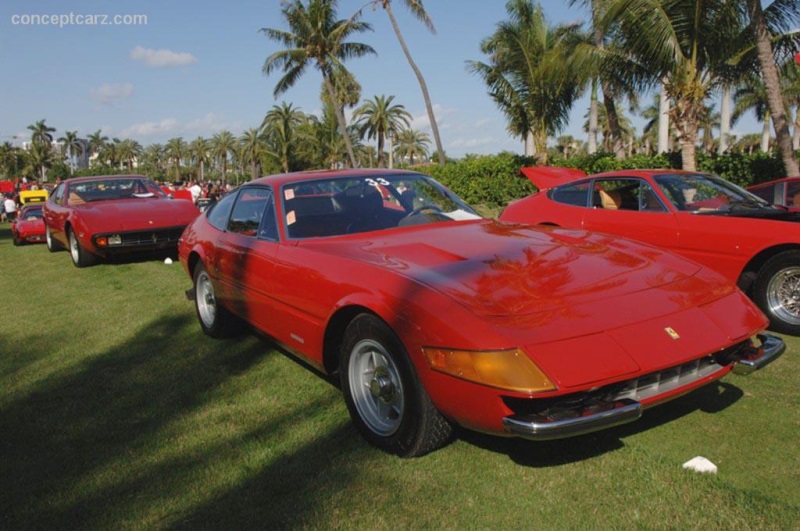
(505, 369)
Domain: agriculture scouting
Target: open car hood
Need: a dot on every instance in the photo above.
(544, 177)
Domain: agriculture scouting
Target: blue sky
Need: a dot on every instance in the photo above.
(194, 68)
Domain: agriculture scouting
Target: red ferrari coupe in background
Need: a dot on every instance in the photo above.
(29, 225)
(699, 216)
(112, 215)
(433, 316)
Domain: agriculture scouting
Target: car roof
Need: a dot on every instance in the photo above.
(89, 178)
(283, 178)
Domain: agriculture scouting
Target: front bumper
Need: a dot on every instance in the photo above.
(600, 414)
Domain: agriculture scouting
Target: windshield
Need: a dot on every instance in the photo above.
(347, 205)
(706, 193)
(113, 189)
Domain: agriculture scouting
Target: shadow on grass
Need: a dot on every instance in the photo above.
(712, 398)
(69, 430)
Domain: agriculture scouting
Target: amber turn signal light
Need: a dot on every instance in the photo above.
(505, 369)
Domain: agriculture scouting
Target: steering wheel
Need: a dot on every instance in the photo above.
(422, 208)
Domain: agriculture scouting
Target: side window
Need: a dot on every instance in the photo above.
(572, 194)
(648, 199)
(58, 193)
(248, 210)
(269, 223)
(626, 194)
(792, 194)
(218, 214)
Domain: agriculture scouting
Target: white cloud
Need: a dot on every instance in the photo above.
(162, 58)
(110, 93)
(206, 126)
(470, 143)
(146, 129)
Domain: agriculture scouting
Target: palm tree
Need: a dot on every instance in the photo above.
(784, 14)
(222, 146)
(72, 145)
(41, 132)
(378, 118)
(199, 150)
(316, 36)
(418, 10)
(176, 151)
(752, 96)
(154, 155)
(253, 149)
(411, 145)
(40, 157)
(279, 126)
(96, 142)
(528, 75)
(685, 44)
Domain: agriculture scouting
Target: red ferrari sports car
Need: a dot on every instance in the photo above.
(702, 217)
(29, 225)
(784, 192)
(112, 215)
(433, 316)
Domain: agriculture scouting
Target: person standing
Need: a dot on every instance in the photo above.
(10, 207)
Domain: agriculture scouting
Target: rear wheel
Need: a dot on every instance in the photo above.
(215, 320)
(80, 256)
(385, 399)
(777, 292)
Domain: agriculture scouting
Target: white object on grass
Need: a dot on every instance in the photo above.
(700, 464)
(168, 260)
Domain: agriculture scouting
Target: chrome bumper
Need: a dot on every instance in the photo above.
(771, 349)
(538, 429)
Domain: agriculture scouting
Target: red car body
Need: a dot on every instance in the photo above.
(784, 192)
(723, 226)
(29, 225)
(104, 216)
(433, 316)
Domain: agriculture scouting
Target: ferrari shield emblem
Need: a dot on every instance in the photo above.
(672, 333)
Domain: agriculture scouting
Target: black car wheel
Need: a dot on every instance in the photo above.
(383, 393)
(52, 244)
(80, 256)
(215, 320)
(777, 292)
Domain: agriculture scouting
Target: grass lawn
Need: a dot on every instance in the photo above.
(117, 412)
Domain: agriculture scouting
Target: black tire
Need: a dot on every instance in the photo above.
(777, 292)
(80, 256)
(215, 320)
(52, 245)
(383, 394)
(17, 240)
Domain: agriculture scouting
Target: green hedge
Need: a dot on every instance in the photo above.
(492, 181)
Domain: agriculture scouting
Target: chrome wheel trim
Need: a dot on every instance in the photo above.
(74, 250)
(47, 237)
(376, 386)
(783, 295)
(205, 299)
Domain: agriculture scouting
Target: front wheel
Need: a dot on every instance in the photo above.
(80, 256)
(385, 399)
(215, 320)
(52, 244)
(777, 292)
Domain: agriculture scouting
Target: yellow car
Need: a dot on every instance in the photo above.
(32, 196)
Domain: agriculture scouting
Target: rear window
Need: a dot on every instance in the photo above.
(572, 194)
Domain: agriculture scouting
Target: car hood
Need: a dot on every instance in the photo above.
(498, 269)
(136, 213)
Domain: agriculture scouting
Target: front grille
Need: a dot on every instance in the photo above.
(642, 388)
(151, 237)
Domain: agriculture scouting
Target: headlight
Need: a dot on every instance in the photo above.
(506, 369)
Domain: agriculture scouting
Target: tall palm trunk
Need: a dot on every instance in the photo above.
(765, 134)
(340, 118)
(725, 119)
(608, 96)
(422, 85)
(593, 119)
(663, 121)
(769, 73)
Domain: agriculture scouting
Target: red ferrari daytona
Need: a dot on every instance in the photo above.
(432, 316)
